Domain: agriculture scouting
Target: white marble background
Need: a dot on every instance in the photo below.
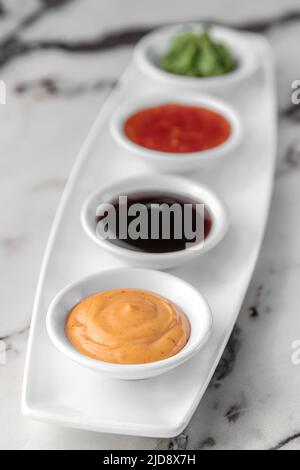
(53, 96)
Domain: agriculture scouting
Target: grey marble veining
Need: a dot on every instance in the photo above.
(59, 59)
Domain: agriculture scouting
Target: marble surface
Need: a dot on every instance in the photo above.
(59, 59)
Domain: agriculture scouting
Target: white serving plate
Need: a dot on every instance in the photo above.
(60, 391)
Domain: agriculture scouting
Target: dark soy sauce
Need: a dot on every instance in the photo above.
(160, 245)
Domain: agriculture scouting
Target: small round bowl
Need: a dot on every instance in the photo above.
(177, 162)
(161, 183)
(176, 290)
(155, 44)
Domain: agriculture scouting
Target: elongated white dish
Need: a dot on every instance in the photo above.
(61, 391)
(182, 294)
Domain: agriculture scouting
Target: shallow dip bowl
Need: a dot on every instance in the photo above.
(174, 289)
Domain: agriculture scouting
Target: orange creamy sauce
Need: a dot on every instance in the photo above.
(127, 326)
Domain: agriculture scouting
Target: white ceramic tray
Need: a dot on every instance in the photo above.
(60, 391)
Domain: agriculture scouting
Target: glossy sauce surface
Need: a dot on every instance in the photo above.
(161, 245)
(177, 128)
(127, 326)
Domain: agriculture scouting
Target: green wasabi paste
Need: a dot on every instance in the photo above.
(197, 55)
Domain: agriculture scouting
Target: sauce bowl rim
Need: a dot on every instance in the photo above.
(235, 40)
(220, 106)
(57, 314)
(200, 192)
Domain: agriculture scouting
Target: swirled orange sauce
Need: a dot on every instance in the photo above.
(127, 326)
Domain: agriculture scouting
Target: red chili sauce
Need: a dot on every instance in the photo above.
(177, 128)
